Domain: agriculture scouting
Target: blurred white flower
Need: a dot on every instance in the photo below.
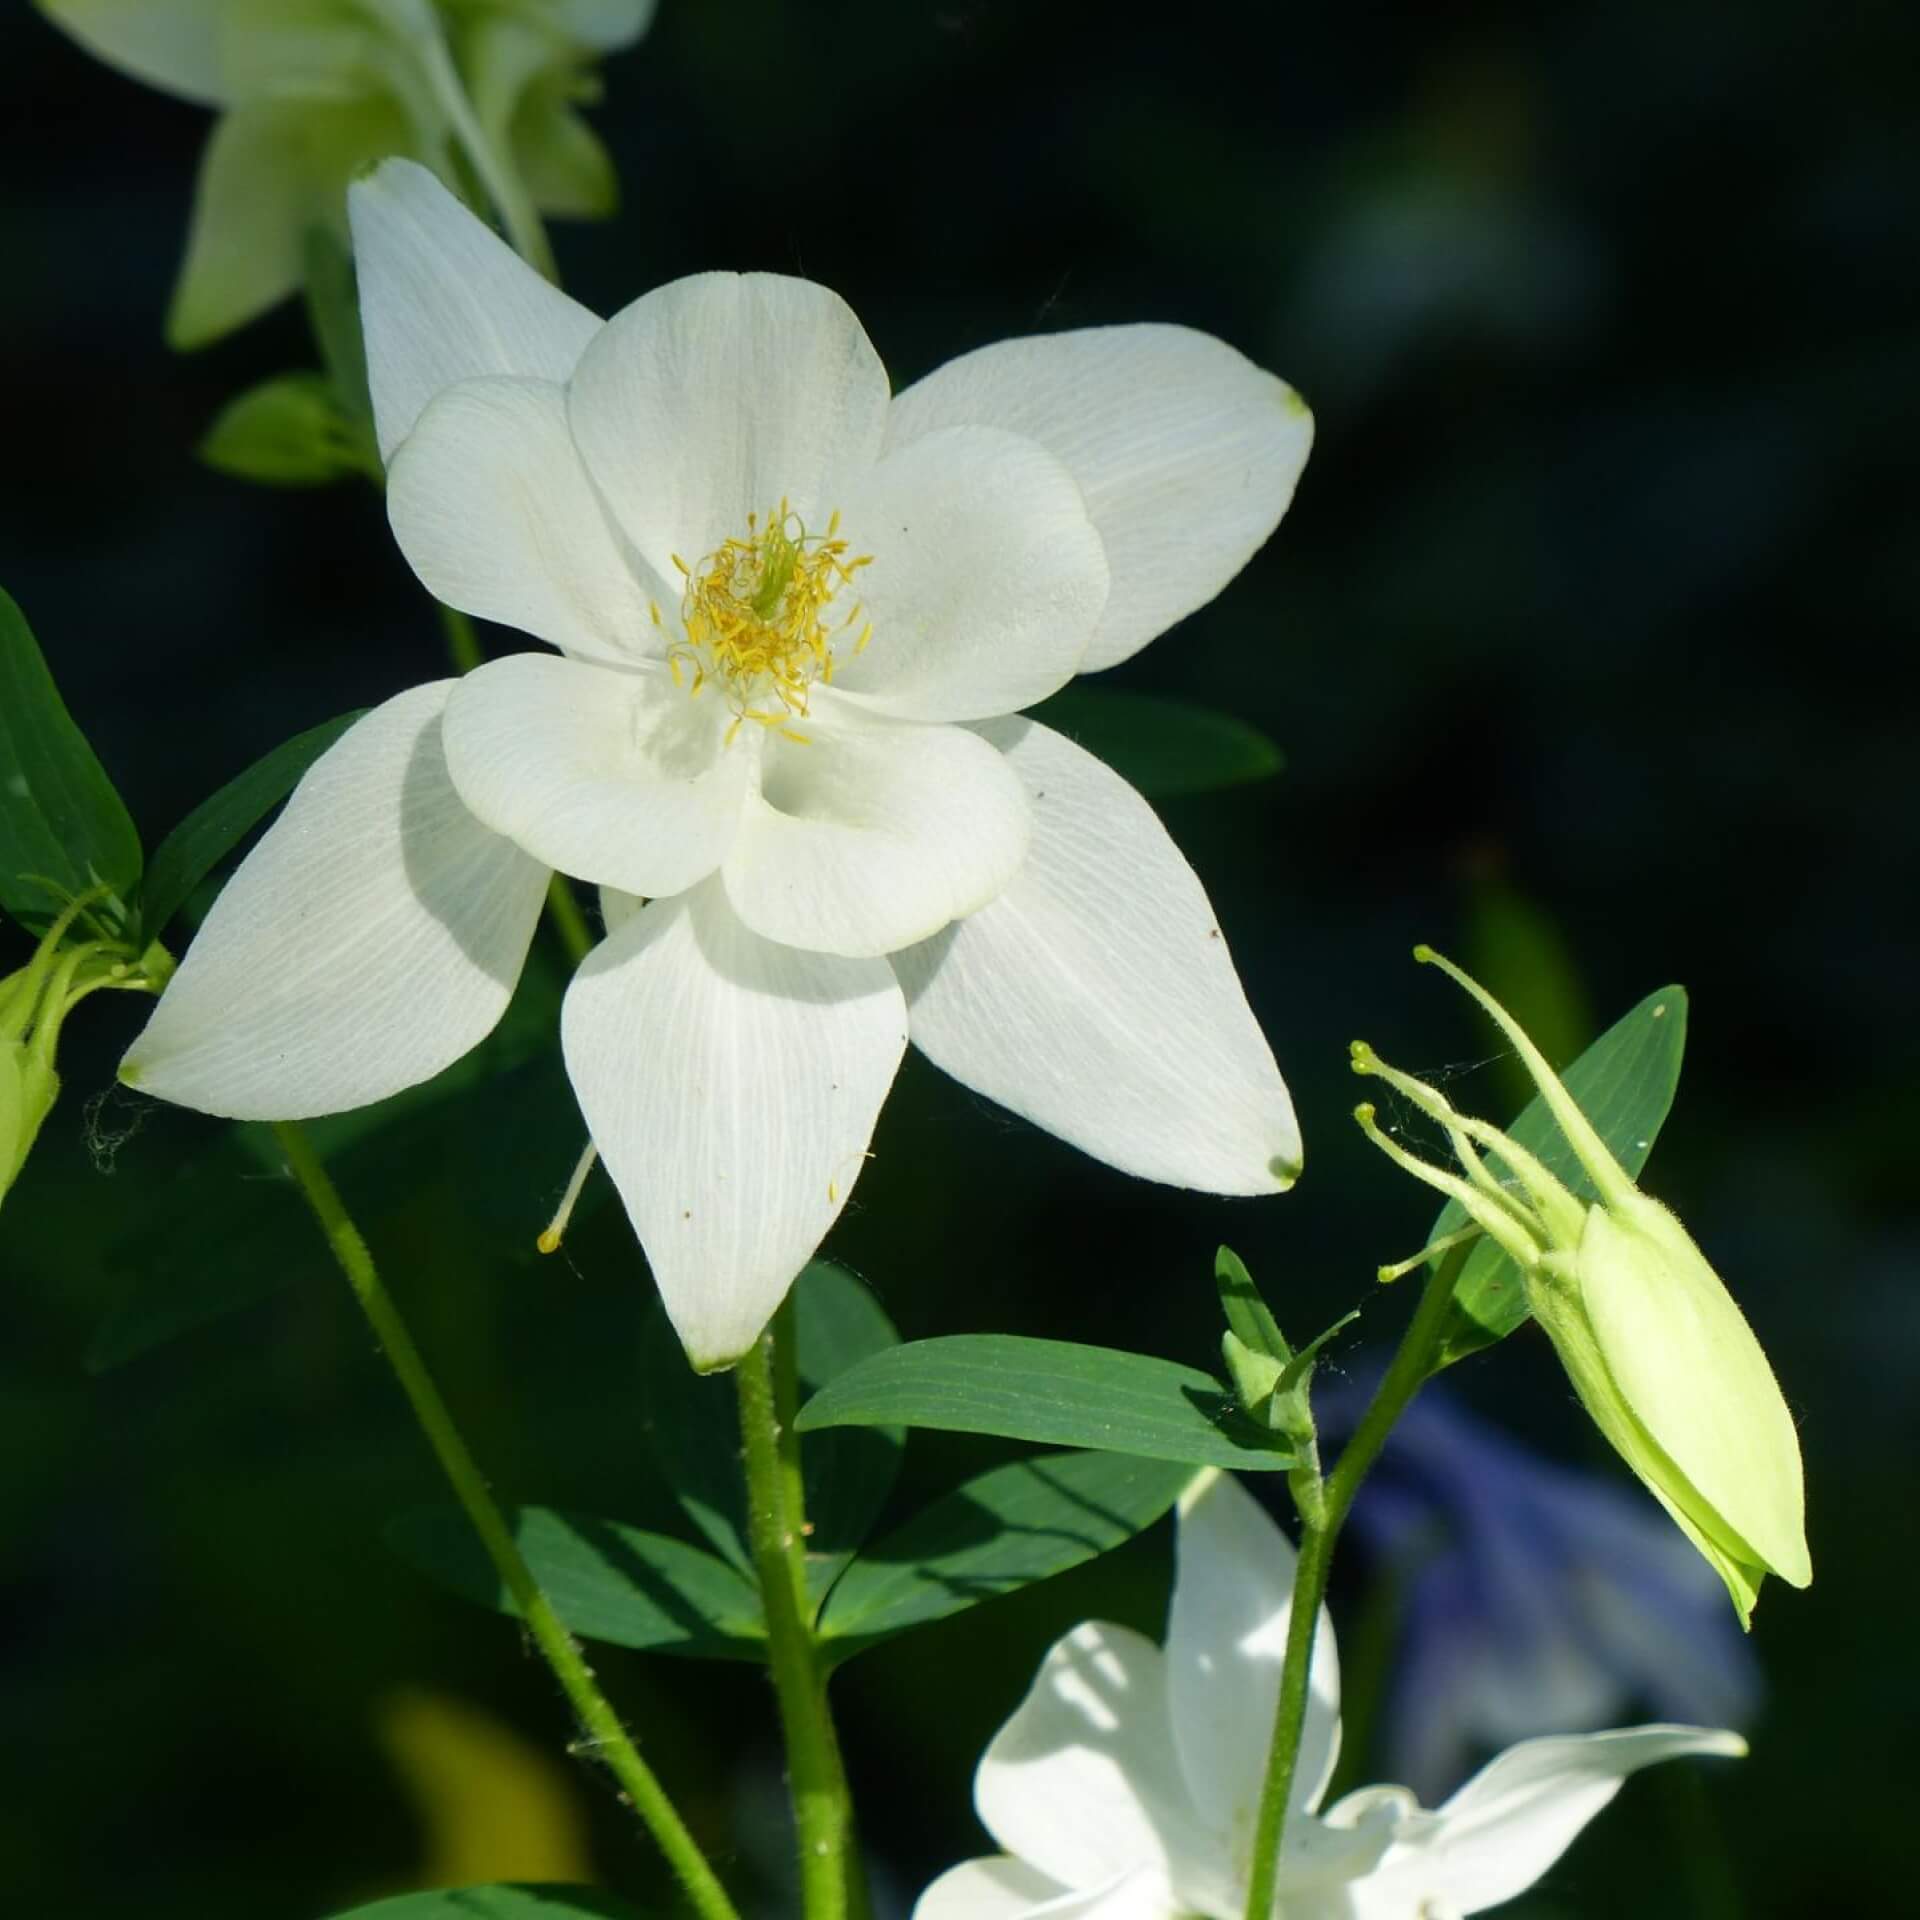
(313, 92)
(1127, 1784)
(794, 615)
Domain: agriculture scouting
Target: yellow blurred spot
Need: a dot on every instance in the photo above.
(491, 1805)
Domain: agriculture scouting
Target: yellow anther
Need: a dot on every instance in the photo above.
(759, 617)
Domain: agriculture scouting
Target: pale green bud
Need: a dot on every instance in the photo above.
(28, 1089)
(33, 1003)
(1658, 1352)
(28, 1084)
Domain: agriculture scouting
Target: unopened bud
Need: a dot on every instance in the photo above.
(1652, 1341)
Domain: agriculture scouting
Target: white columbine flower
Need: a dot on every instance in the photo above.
(312, 92)
(793, 617)
(1126, 1785)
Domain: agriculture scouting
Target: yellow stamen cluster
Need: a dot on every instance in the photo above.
(759, 618)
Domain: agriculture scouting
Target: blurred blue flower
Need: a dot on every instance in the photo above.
(1531, 1598)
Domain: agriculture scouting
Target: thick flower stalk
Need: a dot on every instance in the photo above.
(795, 620)
(313, 92)
(1658, 1352)
(1126, 1786)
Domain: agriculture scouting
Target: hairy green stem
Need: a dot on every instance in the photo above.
(1402, 1380)
(776, 1528)
(606, 1736)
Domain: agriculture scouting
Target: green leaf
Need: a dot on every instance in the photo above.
(1248, 1317)
(63, 828)
(217, 825)
(1001, 1530)
(289, 431)
(1624, 1083)
(848, 1473)
(1052, 1392)
(222, 1236)
(1162, 747)
(606, 1581)
(333, 311)
(500, 1902)
(231, 1230)
(692, 1425)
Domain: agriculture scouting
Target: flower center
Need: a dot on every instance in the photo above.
(761, 618)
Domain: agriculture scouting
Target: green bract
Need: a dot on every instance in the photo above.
(314, 92)
(1658, 1352)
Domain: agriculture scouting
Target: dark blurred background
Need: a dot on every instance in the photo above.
(1590, 626)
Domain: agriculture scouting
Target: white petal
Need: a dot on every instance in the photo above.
(370, 939)
(732, 1086)
(986, 582)
(615, 777)
(170, 44)
(495, 513)
(719, 396)
(1226, 1639)
(1135, 1896)
(443, 298)
(1096, 995)
(997, 1889)
(867, 836)
(1320, 1856)
(1186, 451)
(1515, 1818)
(976, 1891)
(1082, 1782)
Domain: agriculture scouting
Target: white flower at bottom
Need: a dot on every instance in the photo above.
(1127, 1784)
(795, 620)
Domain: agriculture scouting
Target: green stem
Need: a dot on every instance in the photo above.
(569, 921)
(1402, 1380)
(463, 643)
(494, 169)
(606, 1736)
(776, 1526)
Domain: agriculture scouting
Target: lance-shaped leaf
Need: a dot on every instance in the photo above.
(607, 1581)
(1053, 1392)
(63, 828)
(1625, 1084)
(502, 1902)
(1000, 1531)
(218, 824)
(290, 431)
(1161, 747)
(1249, 1319)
